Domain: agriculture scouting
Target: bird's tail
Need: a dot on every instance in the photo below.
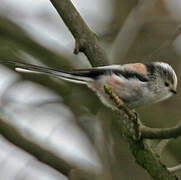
(29, 68)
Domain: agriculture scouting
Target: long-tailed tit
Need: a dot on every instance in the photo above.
(137, 84)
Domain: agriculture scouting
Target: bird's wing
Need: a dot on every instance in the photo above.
(82, 75)
(128, 71)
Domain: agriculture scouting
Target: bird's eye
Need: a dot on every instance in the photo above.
(166, 84)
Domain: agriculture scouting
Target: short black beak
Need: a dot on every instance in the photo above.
(173, 91)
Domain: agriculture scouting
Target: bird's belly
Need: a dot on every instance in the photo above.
(129, 92)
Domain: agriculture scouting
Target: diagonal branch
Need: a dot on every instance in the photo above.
(15, 33)
(119, 103)
(86, 40)
(42, 154)
(168, 42)
(141, 149)
(131, 27)
(161, 146)
(132, 120)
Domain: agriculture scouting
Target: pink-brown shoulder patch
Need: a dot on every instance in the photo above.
(138, 67)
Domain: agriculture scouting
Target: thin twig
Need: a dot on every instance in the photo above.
(161, 133)
(168, 42)
(119, 103)
(161, 146)
(131, 27)
(132, 124)
(141, 150)
(175, 168)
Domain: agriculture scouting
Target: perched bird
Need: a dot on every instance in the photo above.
(137, 84)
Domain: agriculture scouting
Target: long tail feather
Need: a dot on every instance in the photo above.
(29, 68)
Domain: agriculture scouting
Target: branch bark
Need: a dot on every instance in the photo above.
(161, 146)
(85, 40)
(49, 158)
(161, 133)
(140, 148)
(87, 43)
(175, 168)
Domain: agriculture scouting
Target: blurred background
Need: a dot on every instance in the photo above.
(49, 126)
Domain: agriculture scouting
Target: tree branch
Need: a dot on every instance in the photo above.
(132, 124)
(161, 146)
(45, 156)
(161, 133)
(85, 39)
(168, 42)
(86, 42)
(119, 103)
(140, 148)
(175, 168)
(128, 32)
(13, 32)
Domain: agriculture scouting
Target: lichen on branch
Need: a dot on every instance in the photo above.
(142, 151)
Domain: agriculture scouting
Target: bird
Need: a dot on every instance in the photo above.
(136, 84)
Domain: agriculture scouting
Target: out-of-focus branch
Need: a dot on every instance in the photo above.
(161, 133)
(13, 32)
(141, 150)
(161, 146)
(131, 27)
(167, 43)
(175, 168)
(86, 40)
(10, 133)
